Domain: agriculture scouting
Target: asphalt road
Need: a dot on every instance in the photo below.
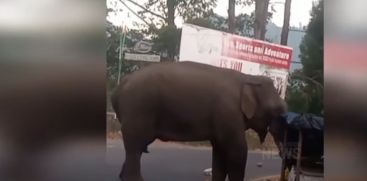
(92, 161)
(174, 162)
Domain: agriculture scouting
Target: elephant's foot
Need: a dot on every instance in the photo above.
(131, 169)
(130, 177)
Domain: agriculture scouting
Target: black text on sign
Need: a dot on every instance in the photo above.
(234, 65)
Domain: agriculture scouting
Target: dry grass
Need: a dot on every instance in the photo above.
(253, 143)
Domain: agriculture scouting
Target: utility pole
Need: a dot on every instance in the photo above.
(121, 48)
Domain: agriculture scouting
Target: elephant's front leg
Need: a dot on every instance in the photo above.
(236, 158)
(219, 171)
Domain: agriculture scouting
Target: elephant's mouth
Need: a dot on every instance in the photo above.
(262, 136)
(280, 148)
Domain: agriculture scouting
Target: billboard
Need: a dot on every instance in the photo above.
(235, 52)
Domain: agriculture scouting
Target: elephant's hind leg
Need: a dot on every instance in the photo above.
(135, 145)
(137, 133)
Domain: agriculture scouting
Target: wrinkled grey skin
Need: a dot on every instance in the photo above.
(276, 129)
(189, 101)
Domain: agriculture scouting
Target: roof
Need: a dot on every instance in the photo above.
(304, 121)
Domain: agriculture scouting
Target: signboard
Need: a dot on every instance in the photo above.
(235, 52)
(142, 57)
(143, 47)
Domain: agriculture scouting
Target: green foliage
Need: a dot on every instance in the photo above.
(187, 9)
(191, 9)
(113, 35)
(305, 91)
(203, 22)
(243, 23)
(245, 2)
(312, 45)
(199, 12)
(213, 21)
(167, 41)
(297, 98)
(113, 39)
(167, 38)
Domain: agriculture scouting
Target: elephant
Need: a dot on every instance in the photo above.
(188, 101)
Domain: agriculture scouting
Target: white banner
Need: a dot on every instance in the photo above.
(142, 57)
(242, 54)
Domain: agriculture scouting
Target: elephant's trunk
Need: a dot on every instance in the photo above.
(284, 107)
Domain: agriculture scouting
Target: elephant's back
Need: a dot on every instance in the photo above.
(184, 83)
(185, 79)
(192, 71)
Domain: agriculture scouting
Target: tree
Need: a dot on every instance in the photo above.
(261, 15)
(167, 41)
(113, 34)
(171, 12)
(231, 16)
(244, 25)
(285, 29)
(305, 93)
(164, 13)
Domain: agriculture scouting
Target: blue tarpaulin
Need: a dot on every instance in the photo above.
(312, 129)
(304, 121)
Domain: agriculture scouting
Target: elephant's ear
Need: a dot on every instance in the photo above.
(248, 101)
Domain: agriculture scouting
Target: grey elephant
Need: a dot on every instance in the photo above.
(188, 101)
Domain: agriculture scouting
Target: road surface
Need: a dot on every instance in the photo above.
(92, 161)
(174, 162)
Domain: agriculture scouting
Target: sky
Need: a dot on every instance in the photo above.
(300, 12)
(48, 15)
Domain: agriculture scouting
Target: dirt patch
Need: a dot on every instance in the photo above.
(114, 135)
(159, 143)
(268, 178)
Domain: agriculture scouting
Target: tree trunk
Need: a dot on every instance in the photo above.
(171, 23)
(285, 29)
(261, 14)
(171, 12)
(231, 16)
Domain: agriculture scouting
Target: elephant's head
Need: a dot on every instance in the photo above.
(260, 103)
